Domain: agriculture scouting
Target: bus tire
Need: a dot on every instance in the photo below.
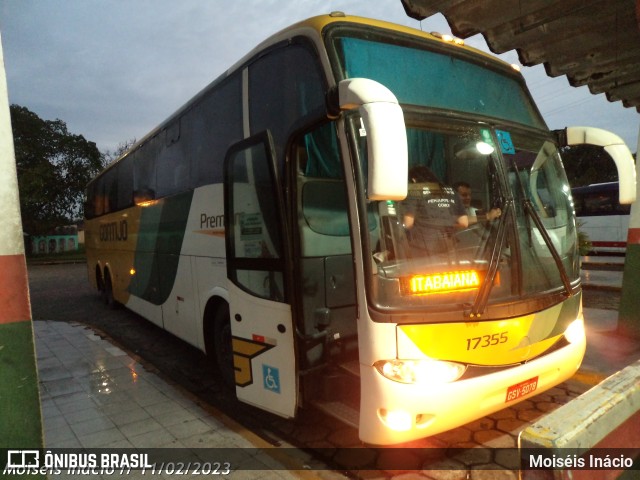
(222, 348)
(107, 292)
(99, 281)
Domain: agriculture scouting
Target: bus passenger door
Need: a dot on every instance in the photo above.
(260, 312)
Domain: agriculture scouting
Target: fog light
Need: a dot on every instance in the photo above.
(398, 420)
(420, 371)
(575, 332)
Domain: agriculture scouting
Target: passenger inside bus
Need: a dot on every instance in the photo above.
(431, 213)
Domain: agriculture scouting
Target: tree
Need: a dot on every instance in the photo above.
(123, 147)
(54, 167)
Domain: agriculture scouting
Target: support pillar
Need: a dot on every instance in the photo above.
(20, 414)
(629, 313)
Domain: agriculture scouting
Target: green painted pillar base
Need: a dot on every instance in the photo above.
(20, 414)
(629, 314)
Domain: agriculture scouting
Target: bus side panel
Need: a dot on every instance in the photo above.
(141, 259)
(179, 311)
(148, 310)
(204, 244)
(210, 280)
(204, 233)
(111, 243)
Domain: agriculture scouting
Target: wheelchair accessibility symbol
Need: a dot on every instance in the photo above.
(271, 378)
(506, 144)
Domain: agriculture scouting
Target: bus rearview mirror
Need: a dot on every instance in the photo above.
(386, 135)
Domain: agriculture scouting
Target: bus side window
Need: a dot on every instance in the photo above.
(276, 102)
(125, 182)
(144, 169)
(93, 206)
(210, 128)
(172, 173)
(111, 190)
(254, 238)
(322, 216)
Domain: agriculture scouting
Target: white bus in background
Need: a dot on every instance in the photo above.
(602, 218)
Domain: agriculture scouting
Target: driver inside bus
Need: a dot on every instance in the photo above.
(432, 212)
(464, 191)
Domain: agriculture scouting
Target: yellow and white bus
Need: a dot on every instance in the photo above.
(280, 222)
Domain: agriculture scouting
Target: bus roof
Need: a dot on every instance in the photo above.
(318, 24)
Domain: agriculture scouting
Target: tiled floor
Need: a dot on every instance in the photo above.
(94, 395)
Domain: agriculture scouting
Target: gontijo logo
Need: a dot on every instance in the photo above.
(114, 231)
(33, 462)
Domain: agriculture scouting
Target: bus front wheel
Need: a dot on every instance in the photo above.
(223, 350)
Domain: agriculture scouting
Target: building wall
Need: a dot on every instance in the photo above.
(54, 244)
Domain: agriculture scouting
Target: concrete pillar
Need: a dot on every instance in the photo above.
(629, 313)
(20, 415)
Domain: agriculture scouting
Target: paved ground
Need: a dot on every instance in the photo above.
(95, 395)
(603, 299)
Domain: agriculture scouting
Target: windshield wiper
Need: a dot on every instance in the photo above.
(480, 303)
(533, 214)
(528, 208)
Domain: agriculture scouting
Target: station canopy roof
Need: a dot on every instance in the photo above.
(593, 42)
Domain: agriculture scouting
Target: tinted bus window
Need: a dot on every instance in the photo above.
(172, 168)
(125, 183)
(144, 168)
(210, 128)
(110, 179)
(278, 101)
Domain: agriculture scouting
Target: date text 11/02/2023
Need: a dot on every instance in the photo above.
(168, 468)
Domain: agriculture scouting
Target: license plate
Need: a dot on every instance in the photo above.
(521, 389)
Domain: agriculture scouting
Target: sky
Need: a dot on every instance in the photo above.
(113, 70)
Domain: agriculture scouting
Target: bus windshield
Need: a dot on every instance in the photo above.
(487, 220)
(432, 79)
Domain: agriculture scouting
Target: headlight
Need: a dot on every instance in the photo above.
(420, 371)
(575, 332)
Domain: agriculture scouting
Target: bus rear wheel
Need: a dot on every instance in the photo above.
(223, 350)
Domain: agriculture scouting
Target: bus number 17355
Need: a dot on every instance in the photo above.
(487, 340)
